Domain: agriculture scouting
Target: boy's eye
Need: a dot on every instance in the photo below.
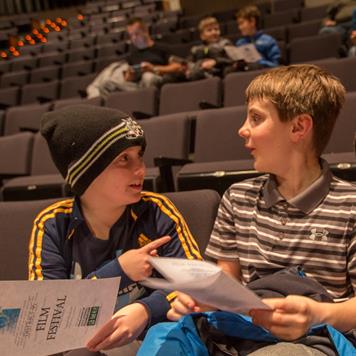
(123, 158)
(255, 119)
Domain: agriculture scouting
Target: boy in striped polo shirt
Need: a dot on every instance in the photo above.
(297, 214)
(110, 228)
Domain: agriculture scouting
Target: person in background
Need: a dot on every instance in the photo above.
(352, 38)
(147, 65)
(209, 58)
(338, 17)
(248, 22)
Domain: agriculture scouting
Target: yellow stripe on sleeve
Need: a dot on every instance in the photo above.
(171, 296)
(143, 240)
(184, 234)
(64, 206)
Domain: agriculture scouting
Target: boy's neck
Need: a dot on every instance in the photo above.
(298, 177)
(100, 217)
(252, 33)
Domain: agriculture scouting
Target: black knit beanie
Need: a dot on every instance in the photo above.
(85, 139)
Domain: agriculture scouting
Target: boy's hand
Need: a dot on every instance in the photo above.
(125, 326)
(129, 75)
(135, 262)
(184, 304)
(147, 67)
(353, 37)
(329, 23)
(208, 64)
(290, 318)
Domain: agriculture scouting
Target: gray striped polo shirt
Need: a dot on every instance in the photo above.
(265, 233)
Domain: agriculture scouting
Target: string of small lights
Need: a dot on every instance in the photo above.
(38, 35)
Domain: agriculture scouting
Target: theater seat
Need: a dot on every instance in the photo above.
(24, 118)
(43, 179)
(177, 128)
(220, 157)
(199, 217)
(15, 236)
(180, 97)
(143, 101)
(15, 155)
(314, 47)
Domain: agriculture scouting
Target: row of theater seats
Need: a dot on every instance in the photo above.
(172, 98)
(56, 67)
(207, 136)
(66, 58)
(14, 24)
(184, 29)
(83, 44)
(15, 237)
(98, 43)
(56, 70)
(285, 32)
(283, 12)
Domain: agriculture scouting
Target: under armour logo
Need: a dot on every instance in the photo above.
(319, 234)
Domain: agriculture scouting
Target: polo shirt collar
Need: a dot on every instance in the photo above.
(307, 200)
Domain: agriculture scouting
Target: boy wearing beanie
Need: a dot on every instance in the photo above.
(110, 228)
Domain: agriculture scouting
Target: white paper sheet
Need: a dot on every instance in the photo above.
(205, 282)
(247, 52)
(46, 317)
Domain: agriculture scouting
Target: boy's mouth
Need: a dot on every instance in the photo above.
(251, 149)
(136, 186)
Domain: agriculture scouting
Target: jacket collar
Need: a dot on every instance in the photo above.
(254, 37)
(77, 218)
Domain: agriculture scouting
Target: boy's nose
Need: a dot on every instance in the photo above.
(244, 131)
(140, 169)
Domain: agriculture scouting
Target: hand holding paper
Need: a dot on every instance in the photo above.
(46, 317)
(205, 282)
(247, 52)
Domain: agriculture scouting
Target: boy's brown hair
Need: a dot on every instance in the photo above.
(207, 21)
(249, 12)
(138, 20)
(302, 89)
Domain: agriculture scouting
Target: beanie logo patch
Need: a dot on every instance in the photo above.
(134, 130)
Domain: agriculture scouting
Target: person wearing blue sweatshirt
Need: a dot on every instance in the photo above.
(248, 19)
(110, 227)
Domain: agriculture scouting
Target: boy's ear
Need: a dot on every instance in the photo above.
(302, 126)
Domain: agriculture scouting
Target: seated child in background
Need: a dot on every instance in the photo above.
(209, 58)
(111, 226)
(248, 22)
(352, 39)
